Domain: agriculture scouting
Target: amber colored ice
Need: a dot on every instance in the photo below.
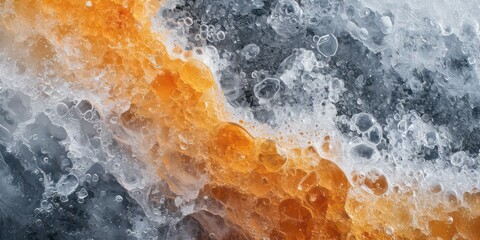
(265, 191)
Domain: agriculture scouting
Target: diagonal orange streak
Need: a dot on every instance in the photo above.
(265, 190)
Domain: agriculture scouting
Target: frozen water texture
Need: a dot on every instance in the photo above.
(398, 80)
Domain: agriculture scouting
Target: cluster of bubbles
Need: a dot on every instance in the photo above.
(399, 89)
(64, 170)
(397, 80)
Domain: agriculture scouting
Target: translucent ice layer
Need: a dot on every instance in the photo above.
(237, 120)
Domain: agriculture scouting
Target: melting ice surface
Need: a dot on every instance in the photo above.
(401, 91)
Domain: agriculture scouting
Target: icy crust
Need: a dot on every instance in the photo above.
(63, 172)
(399, 81)
(394, 156)
(67, 165)
(318, 65)
(70, 168)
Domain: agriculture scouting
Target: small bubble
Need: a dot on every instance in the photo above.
(450, 199)
(188, 21)
(458, 159)
(49, 207)
(88, 177)
(267, 89)
(62, 109)
(364, 122)
(67, 184)
(82, 193)
(88, 4)
(250, 51)
(389, 230)
(363, 34)
(327, 45)
(118, 198)
(114, 120)
(435, 188)
(221, 35)
(43, 204)
(38, 222)
(63, 198)
(95, 177)
(363, 153)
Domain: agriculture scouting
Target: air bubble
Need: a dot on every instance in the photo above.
(389, 230)
(449, 220)
(363, 34)
(364, 122)
(450, 199)
(458, 159)
(188, 21)
(82, 193)
(435, 187)
(84, 106)
(118, 198)
(67, 184)
(62, 109)
(376, 181)
(286, 17)
(374, 134)
(250, 51)
(431, 139)
(64, 198)
(267, 89)
(221, 35)
(363, 153)
(327, 45)
(95, 178)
